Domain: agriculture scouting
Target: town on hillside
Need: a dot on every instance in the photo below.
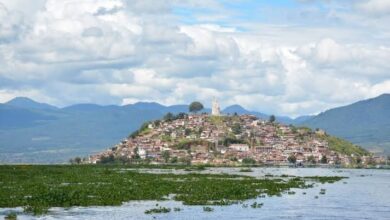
(201, 138)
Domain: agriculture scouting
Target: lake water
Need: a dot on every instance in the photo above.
(364, 195)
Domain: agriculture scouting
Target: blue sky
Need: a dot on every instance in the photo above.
(287, 57)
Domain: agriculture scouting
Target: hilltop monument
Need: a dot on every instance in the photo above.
(215, 110)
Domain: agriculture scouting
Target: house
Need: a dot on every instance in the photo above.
(239, 147)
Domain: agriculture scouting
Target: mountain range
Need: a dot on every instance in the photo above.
(33, 132)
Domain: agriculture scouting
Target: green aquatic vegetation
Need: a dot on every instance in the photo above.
(196, 168)
(285, 175)
(322, 191)
(158, 210)
(246, 170)
(11, 216)
(97, 185)
(207, 209)
(325, 179)
(36, 209)
(177, 209)
(257, 205)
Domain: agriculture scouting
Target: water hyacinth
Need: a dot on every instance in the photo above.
(94, 185)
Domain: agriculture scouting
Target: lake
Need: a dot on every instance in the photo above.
(364, 195)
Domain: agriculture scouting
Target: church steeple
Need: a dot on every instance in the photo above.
(215, 110)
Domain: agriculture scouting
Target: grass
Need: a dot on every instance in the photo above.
(39, 187)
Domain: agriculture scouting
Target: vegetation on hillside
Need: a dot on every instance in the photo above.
(342, 146)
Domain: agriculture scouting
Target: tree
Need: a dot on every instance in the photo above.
(195, 107)
(292, 159)
(136, 154)
(324, 159)
(311, 159)
(337, 160)
(236, 128)
(168, 117)
(272, 118)
(107, 159)
(358, 160)
(166, 155)
(77, 160)
(174, 160)
(181, 115)
(187, 131)
(248, 161)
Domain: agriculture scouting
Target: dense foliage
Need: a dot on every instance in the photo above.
(195, 107)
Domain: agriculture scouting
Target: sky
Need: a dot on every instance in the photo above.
(287, 57)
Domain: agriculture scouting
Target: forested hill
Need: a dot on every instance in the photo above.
(366, 123)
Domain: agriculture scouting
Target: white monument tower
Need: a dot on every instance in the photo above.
(215, 108)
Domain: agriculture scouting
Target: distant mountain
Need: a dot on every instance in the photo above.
(12, 117)
(304, 118)
(23, 102)
(282, 119)
(240, 110)
(366, 123)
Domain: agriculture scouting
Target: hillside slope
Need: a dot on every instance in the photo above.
(366, 122)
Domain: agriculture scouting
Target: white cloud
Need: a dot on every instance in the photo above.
(107, 52)
(375, 7)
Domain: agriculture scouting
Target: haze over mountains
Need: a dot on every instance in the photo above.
(41, 133)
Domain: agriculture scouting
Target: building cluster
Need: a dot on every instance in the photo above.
(224, 140)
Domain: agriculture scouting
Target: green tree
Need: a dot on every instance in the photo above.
(248, 161)
(272, 118)
(187, 131)
(311, 159)
(236, 128)
(136, 154)
(292, 159)
(181, 115)
(77, 160)
(174, 160)
(166, 155)
(195, 107)
(107, 159)
(169, 117)
(324, 159)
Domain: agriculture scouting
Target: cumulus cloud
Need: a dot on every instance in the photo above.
(120, 52)
(375, 7)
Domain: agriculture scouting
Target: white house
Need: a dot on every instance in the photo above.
(239, 147)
